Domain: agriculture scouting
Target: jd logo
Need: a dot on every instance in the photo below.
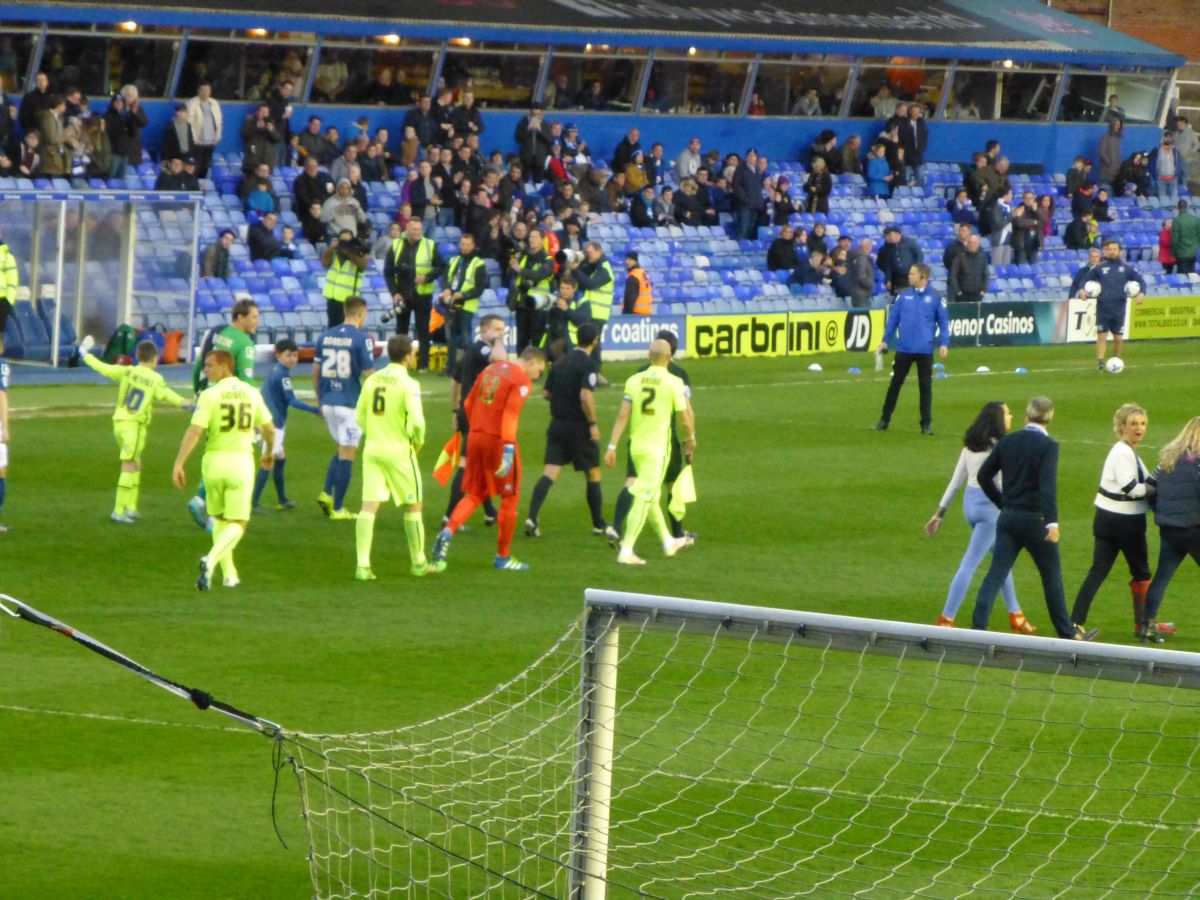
(858, 331)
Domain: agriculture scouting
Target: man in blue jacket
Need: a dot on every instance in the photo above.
(747, 196)
(920, 314)
(1113, 274)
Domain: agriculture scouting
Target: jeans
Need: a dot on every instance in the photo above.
(747, 223)
(981, 515)
(1017, 531)
(1002, 254)
(900, 367)
(1114, 534)
(1167, 190)
(1175, 545)
(116, 168)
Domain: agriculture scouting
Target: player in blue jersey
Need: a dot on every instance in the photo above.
(3, 431)
(344, 358)
(1113, 275)
(279, 396)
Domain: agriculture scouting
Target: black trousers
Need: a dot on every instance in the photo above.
(531, 326)
(1175, 545)
(335, 312)
(5, 312)
(417, 312)
(969, 297)
(1185, 265)
(1017, 531)
(900, 366)
(203, 154)
(1114, 534)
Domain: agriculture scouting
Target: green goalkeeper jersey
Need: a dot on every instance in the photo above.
(238, 344)
(656, 396)
(229, 411)
(140, 387)
(389, 412)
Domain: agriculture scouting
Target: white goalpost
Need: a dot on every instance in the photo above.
(679, 748)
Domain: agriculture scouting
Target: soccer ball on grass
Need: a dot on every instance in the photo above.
(1115, 365)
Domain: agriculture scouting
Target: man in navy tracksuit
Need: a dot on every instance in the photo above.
(1113, 274)
(921, 316)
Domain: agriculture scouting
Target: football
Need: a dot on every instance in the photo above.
(1092, 289)
(1115, 365)
(1132, 289)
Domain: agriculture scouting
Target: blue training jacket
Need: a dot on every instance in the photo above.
(1112, 275)
(921, 317)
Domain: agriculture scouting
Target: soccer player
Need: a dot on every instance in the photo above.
(393, 423)
(921, 316)
(236, 339)
(140, 386)
(489, 348)
(674, 465)
(344, 357)
(3, 431)
(573, 436)
(226, 415)
(1113, 275)
(653, 397)
(279, 396)
(493, 410)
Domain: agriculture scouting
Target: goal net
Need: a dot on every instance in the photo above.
(676, 748)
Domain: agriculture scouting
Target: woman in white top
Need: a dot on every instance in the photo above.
(1119, 525)
(989, 426)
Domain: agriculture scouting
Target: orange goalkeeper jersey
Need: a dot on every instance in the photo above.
(495, 402)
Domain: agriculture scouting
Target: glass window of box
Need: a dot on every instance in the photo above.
(880, 88)
(99, 64)
(244, 69)
(1187, 90)
(15, 48)
(1017, 92)
(501, 76)
(799, 85)
(695, 82)
(594, 77)
(392, 72)
(1097, 96)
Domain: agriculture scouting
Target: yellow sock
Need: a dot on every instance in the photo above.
(364, 535)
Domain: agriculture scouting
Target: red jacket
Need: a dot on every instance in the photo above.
(1164, 248)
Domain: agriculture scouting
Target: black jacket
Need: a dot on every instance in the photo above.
(1028, 460)
(782, 255)
(1177, 503)
(968, 274)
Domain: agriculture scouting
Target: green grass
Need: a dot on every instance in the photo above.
(113, 789)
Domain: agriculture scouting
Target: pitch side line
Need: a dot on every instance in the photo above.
(124, 720)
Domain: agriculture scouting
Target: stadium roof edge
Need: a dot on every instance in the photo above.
(1021, 30)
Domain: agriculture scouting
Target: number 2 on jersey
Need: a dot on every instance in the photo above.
(335, 363)
(648, 395)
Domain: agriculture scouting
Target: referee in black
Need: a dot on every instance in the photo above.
(674, 464)
(573, 436)
(488, 348)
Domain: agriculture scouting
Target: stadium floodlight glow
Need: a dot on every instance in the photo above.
(391, 39)
(587, 47)
(461, 42)
(257, 32)
(129, 26)
(1008, 64)
(691, 51)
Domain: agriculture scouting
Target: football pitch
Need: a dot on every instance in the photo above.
(113, 789)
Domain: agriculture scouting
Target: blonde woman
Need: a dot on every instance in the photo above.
(1119, 525)
(1177, 512)
(818, 187)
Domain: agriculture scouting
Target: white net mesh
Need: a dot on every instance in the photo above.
(767, 761)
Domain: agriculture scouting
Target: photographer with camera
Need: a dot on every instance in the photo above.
(594, 275)
(465, 281)
(532, 286)
(344, 260)
(410, 270)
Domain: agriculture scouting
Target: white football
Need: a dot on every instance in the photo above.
(1132, 289)
(1115, 365)
(1092, 289)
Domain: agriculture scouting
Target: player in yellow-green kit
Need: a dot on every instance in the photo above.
(392, 421)
(140, 387)
(236, 339)
(226, 415)
(653, 398)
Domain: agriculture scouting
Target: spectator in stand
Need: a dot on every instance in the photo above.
(443, 112)
(850, 156)
(898, 118)
(656, 166)
(1100, 207)
(914, 138)
(704, 193)
(575, 149)
(839, 274)
(957, 245)
(214, 262)
(664, 207)
(615, 190)
(999, 219)
(687, 208)
(410, 148)
(884, 103)
(204, 117)
(1077, 174)
(382, 90)
(747, 196)
(466, 117)
(1187, 142)
(556, 167)
(533, 142)
(688, 162)
(178, 138)
(641, 209)
(818, 187)
(997, 184)
(968, 279)
(825, 148)
(118, 135)
(259, 139)
(422, 121)
(249, 182)
(52, 129)
(311, 186)
(1114, 110)
(814, 270)
(342, 212)
(1082, 232)
(897, 255)
(1026, 232)
(135, 121)
(722, 200)
(635, 173)
(340, 168)
(311, 225)
(782, 204)
(879, 172)
(261, 239)
(807, 104)
(625, 150)
(171, 176)
(34, 102)
(1045, 213)
(1083, 198)
(782, 252)
(961, 209)
(800, 241)
(1083, 275)
(894, 154)
(280, 102)
(29, 164)
(1185, 239)
(860, 270)
(1165, 257)
(371, 164)
(99, 162)
(260, 198)
(1110, 152)
(332, 77)
(817, 239)
(1133, 177)
(1166, 168)
(311, 143)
